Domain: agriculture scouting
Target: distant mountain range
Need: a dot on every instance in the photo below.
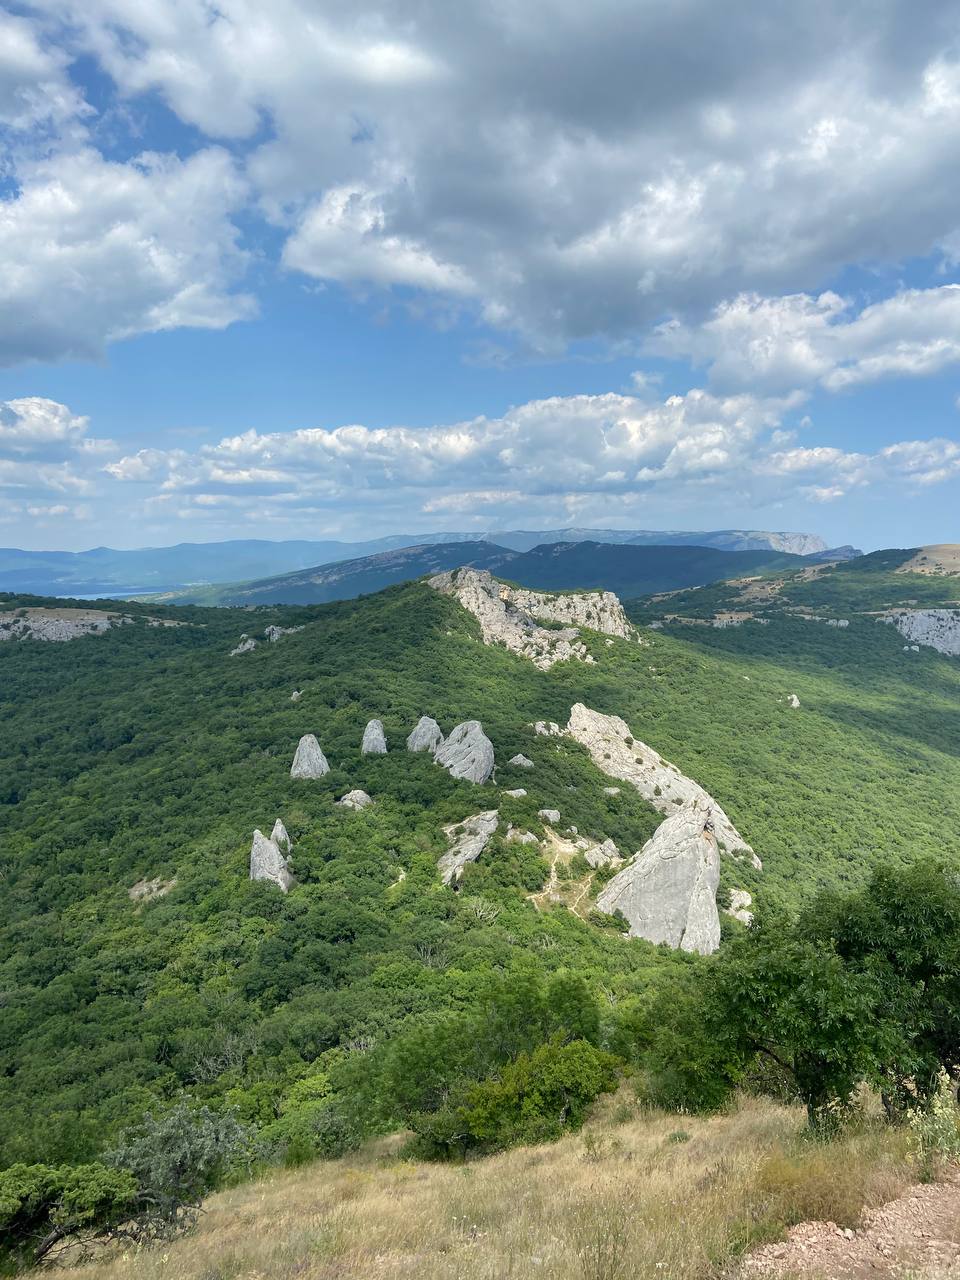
(628, 570)
(104, 571)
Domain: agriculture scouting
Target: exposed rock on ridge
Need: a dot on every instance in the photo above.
(266, 860)
(617, 753)
(58, 624)
(426, 735)
(309, 761)
(669, 892)
(468, 840)
(374, 739)
(938, 628)
(507, 615)
(467, 753)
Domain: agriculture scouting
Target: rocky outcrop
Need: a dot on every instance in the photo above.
(144, 890)
(267, 862)
(374, 739)
(549, 815)
(616, 752)
(296, 695)
(426, 735)
(467, 753)
(58, 625)
(611, 791)
(273, 634)
(246, 645)
(355, 800)
(603, 855)
(740, 901)
(521, 837)
(547, 729)
(309, 761)
(793, 701)
(516, 792)
(669, 892)
(468, 839)
(521, 762)
(507, 616)
(937, 628)
(280, 838)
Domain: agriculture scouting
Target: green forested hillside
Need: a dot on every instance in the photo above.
(150, 753)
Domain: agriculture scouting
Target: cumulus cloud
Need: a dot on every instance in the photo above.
(801, 341)
(44, 451)
(570, 172)
(94, 250)
(594, 457)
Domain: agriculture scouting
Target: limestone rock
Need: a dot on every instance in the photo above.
(793, 701)
(296, 695)
(426, 735)
(740, 900)
(268, 863)
(468, 839)
(549, 815)
(355, 800)
(669, 892)
(507, 615)
(247, 643)
(611, 791)
(516, 792)
(273, 634)
(309, 761)
(603, 855)
(146, 889)
(521, 762)
(280, 838)
(467, 753)
(937, 628)
(61, 624)
(522, 837)
(618, 754)
(374, 740)
(547, 729)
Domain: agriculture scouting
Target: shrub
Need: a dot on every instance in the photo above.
(41, 1205)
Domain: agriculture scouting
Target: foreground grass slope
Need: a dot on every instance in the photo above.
(635, 1194)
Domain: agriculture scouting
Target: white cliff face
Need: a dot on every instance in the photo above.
(309, 761)
(267, 862)
(507, 616)
(58, 624)
(374, 739)
(669, 892)
(937, 628)
(468, 839)
(467, 753)
(616, 752)
(426, 735)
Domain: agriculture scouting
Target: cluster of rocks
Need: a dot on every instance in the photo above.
(272, 634)
(269, 857)
(508, 616)
(467, 840)
(59, 625)
(937, 628)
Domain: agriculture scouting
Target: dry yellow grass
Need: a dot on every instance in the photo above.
(635, 1195)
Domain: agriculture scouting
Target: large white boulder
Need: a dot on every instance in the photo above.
(355, 800)
(467, 753)
(267, 862)
(468, 839)
(309, 761)
(426, 735)
(374, 739)
(669, 892)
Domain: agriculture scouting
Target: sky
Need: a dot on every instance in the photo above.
(319, 269)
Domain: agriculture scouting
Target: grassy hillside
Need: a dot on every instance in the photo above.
(150, 753)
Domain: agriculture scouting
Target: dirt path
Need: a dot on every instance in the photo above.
(916, 1237)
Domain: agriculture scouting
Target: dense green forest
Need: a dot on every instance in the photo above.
(150, 753)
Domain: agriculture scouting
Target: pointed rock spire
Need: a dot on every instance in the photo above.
(374, 739)
(309, 761)
(467, 753)
(426, 735)
(267, 862)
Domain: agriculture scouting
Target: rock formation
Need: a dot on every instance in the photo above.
(603, 855)
(611, 791)
(247, 643)
(426, 735)
(547, 729)
(507, 615)
(267, 862)
(296, 695)
(521, 762)
(669, 892)
(143, 890)
(793, 701)
(309, 761)
(374, 740)
(549, 815)
(59, 624)
(467, 752)
(618, 754)
(468, 839)
(355, 800)
(937, 628)
(521, 837)
(280, 838)
(516, 792)
(273, 634)
(740, 900)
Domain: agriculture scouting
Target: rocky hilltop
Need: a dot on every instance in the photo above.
(508, 615)
(937, 628)
(58, 624)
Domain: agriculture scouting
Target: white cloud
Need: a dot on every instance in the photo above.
(94, 251)
(35, 90)
(44, 450)
(571, 172)
(801, 341)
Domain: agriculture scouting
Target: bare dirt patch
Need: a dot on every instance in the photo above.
(940, 559)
